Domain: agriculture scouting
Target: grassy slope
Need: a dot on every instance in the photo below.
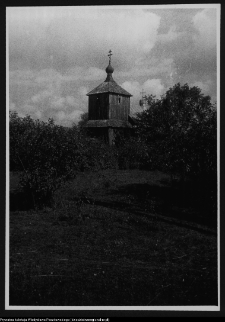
(87, 254)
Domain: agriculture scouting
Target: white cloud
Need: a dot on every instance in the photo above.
(83, 90)
(38, 114)
(92, 74)
(115, 29)
(60, 115)
(75, 116)
(154, 87)
(170, 36)
(12, 106)
(151, 68)
(74, 35)
(132, 87)
(205, 24)
(70, 100)
(46, 76)
(52, 100)
(41, 96)
(151, 86)
(65, 109)
(18, 76)
(29, 109)
(67, 119)
(58, 102)
(204, 86)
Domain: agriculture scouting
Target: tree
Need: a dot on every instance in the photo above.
(180, 130)
(181, 127)
(83, 121)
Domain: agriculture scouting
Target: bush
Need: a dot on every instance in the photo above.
(134, 153)
(96, 155)
(47, 155)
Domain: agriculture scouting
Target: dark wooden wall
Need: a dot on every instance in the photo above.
(119, 107)
(106, 106)
(98, 107)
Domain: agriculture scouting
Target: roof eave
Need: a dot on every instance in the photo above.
(109, 92)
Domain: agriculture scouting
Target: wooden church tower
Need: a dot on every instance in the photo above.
(109, 109)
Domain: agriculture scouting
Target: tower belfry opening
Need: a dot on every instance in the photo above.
(109, 109)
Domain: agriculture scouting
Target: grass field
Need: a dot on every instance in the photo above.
(114, 238)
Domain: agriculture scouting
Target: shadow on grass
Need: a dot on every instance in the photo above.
(19, 200)
(187, 202)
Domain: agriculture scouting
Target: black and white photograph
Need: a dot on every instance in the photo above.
(113, 198)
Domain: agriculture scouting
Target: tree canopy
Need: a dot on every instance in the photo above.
(181, 128)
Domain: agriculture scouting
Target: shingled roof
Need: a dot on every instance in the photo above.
(109, 85)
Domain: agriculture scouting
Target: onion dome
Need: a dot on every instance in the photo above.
(109, 69)
(109, 85)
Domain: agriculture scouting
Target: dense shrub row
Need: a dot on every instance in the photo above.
(47, 155)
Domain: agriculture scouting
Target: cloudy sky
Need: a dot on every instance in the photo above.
(56, 55)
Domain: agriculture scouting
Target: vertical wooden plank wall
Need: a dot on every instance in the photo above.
(98, 107)
(118, 107)
(108, 106)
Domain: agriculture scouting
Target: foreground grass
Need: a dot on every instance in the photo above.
(84, 254)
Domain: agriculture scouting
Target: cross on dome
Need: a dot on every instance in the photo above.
(109, 69)
(110, 54)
